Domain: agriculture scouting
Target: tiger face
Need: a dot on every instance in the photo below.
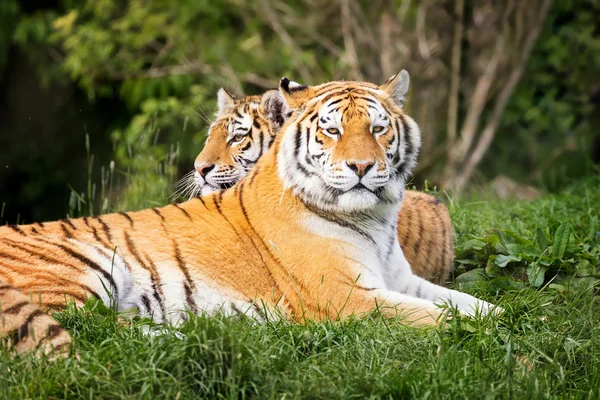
(350, 146)
(243, 130)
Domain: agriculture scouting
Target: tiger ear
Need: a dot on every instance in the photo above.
(224, 100)
(274, 108)
(295, 94)
(397, 87)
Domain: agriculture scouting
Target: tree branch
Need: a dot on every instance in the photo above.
(455, 72)
(491, 127)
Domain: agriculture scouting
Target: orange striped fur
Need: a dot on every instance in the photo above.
(424, 226)
(25, 326)
(273, 242)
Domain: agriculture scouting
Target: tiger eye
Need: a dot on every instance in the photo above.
(238, 138)
(378, 129)
(333, 131)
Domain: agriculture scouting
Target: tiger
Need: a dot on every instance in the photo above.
(244, 129)
(309, 234)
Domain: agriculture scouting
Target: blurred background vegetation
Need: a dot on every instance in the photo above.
(104, 104)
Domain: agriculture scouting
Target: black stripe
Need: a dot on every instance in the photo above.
(34, 231)
(445, 236)
(68, 222)
(157, 212)
(307, 156)
(66, 230)
(183, 211)
(247, 146)
(405, 130)
(40, 224)
(335, 102)
(216, 203)
(20, 333)
(53, 331)
(154, 276)
(343, 222)
(189, 298)
(127, 217)
(391, 242)
(418, 292)
(417, 245)
(61, 347)
(202, 201)
(16, 308)
(251, 178)
(297, 142)
(146, 302)
(98, 238)
(157, 288)
(89, 263)
(105, 228)
(17, 229)
(189, 284)
(24, 249)
(260, 143)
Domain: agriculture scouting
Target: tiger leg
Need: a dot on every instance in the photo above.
(401, 279)
(24, 326)
(414, 311)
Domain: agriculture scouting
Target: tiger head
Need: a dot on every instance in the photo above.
(349, 146)
(244, 129)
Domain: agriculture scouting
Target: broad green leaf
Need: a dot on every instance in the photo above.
(561, 240)
(471, 276)
(502, 260)
(585, 268)
(466, 261)
(475, 244)
(536, 274)
(514, 248)
(556, 286)
(491, 269)
(541, 239)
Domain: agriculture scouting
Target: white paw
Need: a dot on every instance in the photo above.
(483, 308)
(157, 331)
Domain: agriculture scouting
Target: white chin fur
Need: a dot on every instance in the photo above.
(357, 200)
(203, 188)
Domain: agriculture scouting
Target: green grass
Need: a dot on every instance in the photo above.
(546, 344)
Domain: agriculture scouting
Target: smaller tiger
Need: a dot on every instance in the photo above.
(245, 128)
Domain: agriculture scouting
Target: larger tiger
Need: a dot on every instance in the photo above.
(245, 128)
(311, 231)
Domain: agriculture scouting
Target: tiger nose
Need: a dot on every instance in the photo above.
(204, 169)
(360, 168)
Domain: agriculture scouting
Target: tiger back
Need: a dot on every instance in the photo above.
(246, 127)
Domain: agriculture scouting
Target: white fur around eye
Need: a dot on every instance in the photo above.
(379, 118)
(330, 118)
(239, 126)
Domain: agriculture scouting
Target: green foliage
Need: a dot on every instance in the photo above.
(551, 113)
(554, 240)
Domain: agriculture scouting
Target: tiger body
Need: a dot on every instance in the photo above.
(276, 241)
(243, 131)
